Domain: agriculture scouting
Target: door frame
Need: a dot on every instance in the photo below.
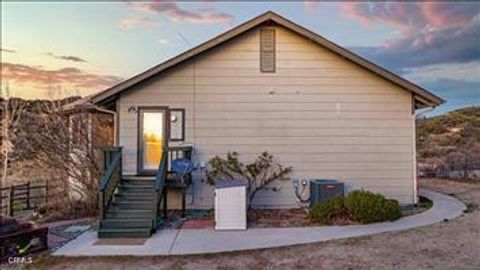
(166, 130)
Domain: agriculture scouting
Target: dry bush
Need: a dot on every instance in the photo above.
(449, 145)
(259, 173)
(63, 147)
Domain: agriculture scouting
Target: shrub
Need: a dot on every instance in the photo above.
(258, 173)
(367, 207)
(359, 205)
(328, 211)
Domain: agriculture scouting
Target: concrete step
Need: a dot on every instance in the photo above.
(125, 232)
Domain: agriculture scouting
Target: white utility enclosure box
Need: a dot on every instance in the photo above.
(231, 205)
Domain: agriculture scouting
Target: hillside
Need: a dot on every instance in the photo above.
(449, 144)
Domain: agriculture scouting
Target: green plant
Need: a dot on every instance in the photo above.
(359, 205)
(368, 207)
(328, 211)
(259, 173)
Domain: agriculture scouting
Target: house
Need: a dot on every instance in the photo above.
(270, 84)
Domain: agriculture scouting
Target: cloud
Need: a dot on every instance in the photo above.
(310, 6)
(8, 50)
(163, 41)
(430, 32)
(130, 23)
(207, 15)
(68, 77)
(467, 72)
(67, 57)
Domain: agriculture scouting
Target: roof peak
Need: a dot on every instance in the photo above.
(425, 97)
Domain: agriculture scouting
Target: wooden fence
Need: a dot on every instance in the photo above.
(23, 197)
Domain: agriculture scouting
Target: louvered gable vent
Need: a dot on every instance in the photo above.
(267, 50)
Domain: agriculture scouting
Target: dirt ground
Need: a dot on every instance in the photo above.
(263, 218)
(453, 244)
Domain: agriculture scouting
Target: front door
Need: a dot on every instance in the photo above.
(152, 135)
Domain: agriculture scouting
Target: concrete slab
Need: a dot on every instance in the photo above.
(77, 228)
(197, 241)
(84, 245)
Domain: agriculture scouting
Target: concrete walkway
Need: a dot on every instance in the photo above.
(190, 241)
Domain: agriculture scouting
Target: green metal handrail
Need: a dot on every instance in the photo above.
(111, 177)
(160, 180)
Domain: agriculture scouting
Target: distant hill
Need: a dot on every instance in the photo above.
(449, 145)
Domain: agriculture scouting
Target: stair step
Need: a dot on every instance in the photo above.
(137, 186)
(128, 213)
(146, 183)
(139, 178)
(125, 232)
(130, 198)
(125, 204)
(125, 223)
(137, 189)
(135, 194)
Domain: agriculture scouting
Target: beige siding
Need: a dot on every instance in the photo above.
(318, 112)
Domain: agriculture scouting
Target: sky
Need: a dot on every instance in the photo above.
(57, 49)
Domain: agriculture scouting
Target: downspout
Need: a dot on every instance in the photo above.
(417, 114)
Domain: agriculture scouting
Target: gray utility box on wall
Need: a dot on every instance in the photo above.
(324, 189)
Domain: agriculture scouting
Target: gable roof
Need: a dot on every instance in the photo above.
(423, 98)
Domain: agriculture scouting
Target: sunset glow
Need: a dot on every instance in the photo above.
(53, 50)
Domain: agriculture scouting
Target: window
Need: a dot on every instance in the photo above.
(267, 50)
(177, 124)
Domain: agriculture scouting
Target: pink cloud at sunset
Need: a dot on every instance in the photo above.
(430, 32)
(310, 6)
(66, 77)
(203, 16)
(423, 21)
(67, 57)
(433, 43)
(129, 23)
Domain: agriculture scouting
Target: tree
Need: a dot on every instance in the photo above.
(13, 111)
(61, 146)
(259, 173)
(67, 145)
